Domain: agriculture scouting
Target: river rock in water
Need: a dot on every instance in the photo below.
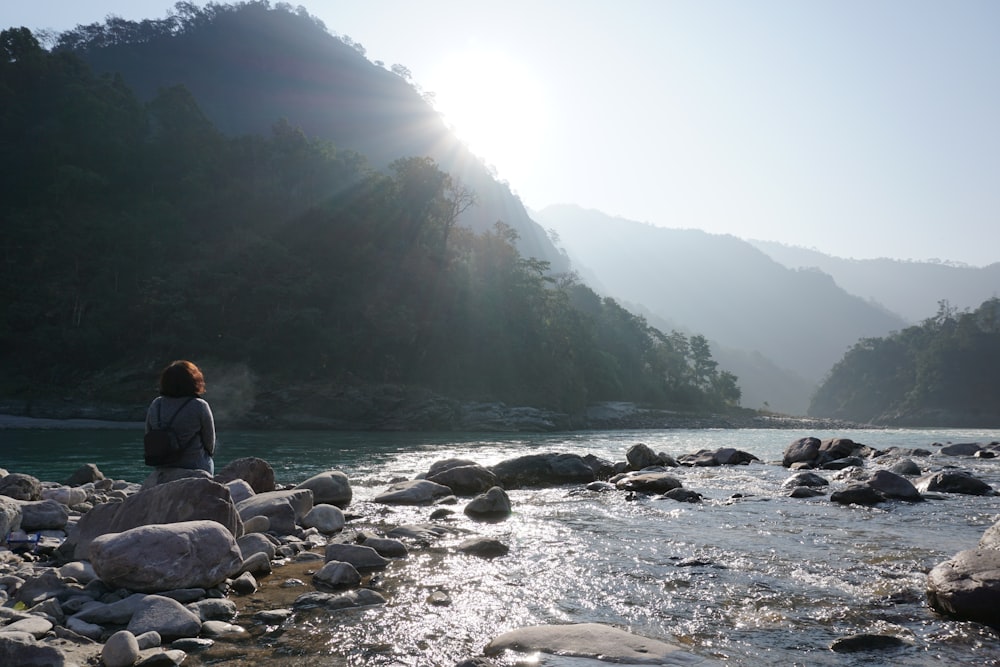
(954, 481)
(967, 586)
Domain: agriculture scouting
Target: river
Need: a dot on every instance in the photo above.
(747, 577)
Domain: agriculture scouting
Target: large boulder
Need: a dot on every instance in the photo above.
(85, 474)
(494, 504)
(363, 558)
(649, 482)
(20, 487)
(166, 475)
(803, 450)
(192, 499)
(10, 515)
(283, 509)
(953, 481)
(464, 478)
(258, 473)
(43, 515)
(641, 456)
(329, 488)
(150, 559)
(165, 616)
(413, 492)
(539, 470)
(967, 586)
(891, 485)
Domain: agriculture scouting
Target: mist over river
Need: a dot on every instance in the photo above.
(747, 577)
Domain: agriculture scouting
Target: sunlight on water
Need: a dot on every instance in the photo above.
(749, 576)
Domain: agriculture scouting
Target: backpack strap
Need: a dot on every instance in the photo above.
(171, 421)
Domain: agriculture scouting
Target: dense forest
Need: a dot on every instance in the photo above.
(943, 372)
(137, 232)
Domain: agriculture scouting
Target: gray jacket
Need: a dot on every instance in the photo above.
(194, 426)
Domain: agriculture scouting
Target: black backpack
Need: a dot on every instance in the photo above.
(161, 445)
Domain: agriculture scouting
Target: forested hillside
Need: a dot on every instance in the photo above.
(248, 64)
(940, 373)
(138, 232)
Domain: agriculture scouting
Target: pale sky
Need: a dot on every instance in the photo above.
(860, 128)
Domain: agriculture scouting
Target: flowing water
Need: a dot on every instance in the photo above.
(747, 577)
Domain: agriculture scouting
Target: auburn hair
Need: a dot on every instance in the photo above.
(182, 378)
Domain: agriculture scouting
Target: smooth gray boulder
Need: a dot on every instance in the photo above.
(857, 494)
(641, 456)
(65, 495)
(362, 597)
(192, 499)
(165, 616)
(494, 504)
(327, 519)
(649, 482)
(20, 487)
(337, 574)
(961, 449)
(803, 450)
(121, 650)
(413, 492)
(541, 470)
(39, 515)
(891, 485)
(10, 515)
(22, 650)
(167, 475)
(483, 547)
(189, 554)
(361, 557)
(805, 478)
(385, 546)
(953, 481)
(464, 478)
(594, 641)
(257, 472)
(967, 586)
(88, 473)
(283, 509)
(256, 543)
(329, 488)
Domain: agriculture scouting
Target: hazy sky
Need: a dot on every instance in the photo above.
(861, 128)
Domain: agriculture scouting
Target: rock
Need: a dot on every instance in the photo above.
(85, 474)
(953, 481)
(23, 651)
(967, 586)
(326, 519)
(805, 479)
(10, 516)
(169, 618)
(640, 456)
(386, 547)
(961, 449)
(167, 475)
(464, 478)
(121, 650)
(39, 515)
(184, 500)
(494, 504)
(337, 574)
(329, 488)
(258, 473)
(891, 485)
(363, 597)
(65, 495)
(214, 609)
(283, 509)
(591, 640)
(78, 570)
(115, 613)
(256, 543)
(484, 547)
(245, 584)
(239, 490)
(257, 564)
(361, 557)
(866, 642)
(728, 456)
(20, 487)
(649, 482)
(846, 462)
(991, 538)
(805, 492)
(414, 492)
(189, 554)
(803, 450)
(858, 494)
(905, 467)
(36, 626)
(832, 449)
(257, 524)
(540, 470)
(683, 496)
(149, 639)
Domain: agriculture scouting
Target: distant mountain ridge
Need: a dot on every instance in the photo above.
(911, 289)
(777, 323)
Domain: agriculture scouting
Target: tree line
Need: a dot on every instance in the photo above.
(136, 233)
(943, 371)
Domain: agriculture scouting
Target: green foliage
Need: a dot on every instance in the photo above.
(140, 233)
(946, 366)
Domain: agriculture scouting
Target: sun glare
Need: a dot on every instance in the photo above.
(495, 106)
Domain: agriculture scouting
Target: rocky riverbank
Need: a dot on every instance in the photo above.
(97, 571)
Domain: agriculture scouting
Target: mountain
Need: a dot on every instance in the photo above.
(249, 65)
(911, 289)
(783, 323)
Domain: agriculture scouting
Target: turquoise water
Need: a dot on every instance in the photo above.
(748, 577)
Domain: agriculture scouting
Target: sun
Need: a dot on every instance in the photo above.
(496, 106)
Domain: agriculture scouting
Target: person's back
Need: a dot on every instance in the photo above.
(181, 387)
